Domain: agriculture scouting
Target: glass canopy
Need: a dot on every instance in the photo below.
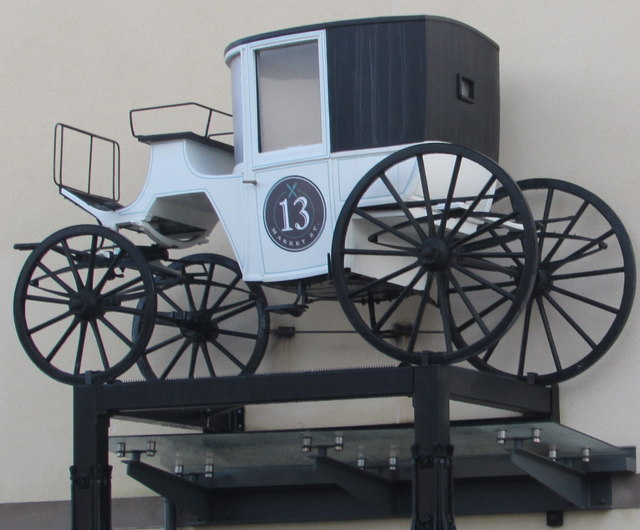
(360, 447)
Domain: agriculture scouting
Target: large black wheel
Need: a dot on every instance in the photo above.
(75, 302)
(209, 322)
(424, 269)
(583, 292)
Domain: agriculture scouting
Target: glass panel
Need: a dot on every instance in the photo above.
(289, 96)
(258, 450)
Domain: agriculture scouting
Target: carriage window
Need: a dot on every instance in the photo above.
(289, 96)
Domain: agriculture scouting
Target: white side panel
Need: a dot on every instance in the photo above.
(293, 212)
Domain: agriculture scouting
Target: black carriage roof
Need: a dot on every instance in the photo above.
(408, 79)
(352, 23)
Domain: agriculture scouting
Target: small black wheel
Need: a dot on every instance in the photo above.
(423, 267)
(75, 301)
(584, 287)
(209, 322)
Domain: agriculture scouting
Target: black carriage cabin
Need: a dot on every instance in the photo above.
(403, 80)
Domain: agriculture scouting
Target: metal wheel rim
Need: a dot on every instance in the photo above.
(457, 346)
(89, 296)
(552, 306)
(195, 340)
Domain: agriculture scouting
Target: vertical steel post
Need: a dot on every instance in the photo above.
(91, 472)
(170, 516)
(432, 451)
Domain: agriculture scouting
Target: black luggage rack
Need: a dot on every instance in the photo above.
(426, 470)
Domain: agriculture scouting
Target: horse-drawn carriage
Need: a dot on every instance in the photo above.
(362, 170)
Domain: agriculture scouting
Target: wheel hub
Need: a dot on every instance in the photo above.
(200, 327)
(434, 254)
(85, 304)
(543, 282)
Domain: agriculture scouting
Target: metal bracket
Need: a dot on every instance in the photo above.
(569, 483)
(177, 490)
(374, 491)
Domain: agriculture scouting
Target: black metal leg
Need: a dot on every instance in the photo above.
(432, 452)
(170, 516)
(91, 472)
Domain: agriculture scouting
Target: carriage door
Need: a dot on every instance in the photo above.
(290, 156)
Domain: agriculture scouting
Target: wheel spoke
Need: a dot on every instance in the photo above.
(50, 322)
(579, 212)
(384, 226)
(516, 257)
(483, 281)
(175, 359)
(487, 355)
(80, 349)
(101, 349)
(570, 320)
(246, 306)
(193, 359)
(403, 206)
(229, 355)
(163, 343)
(589, 274)
(72, 265)
(48, 273)
(477, 318)
(381, 281)
(46, 299)
(191, 304)
(583, 251)
(445, 312)
(426, 194)
(207, 287)
(228, 289)
(452, 187)
(486, 311)
(125, 291)
(584, 299)
(545, 218)
(62, 340)
(207, 359)
(425, 298)
(239, 334)
(116, 331)
(524, 340)
(549, 334)
(482, 195)
(162, 294)
(399, 299)
(92, 262)
(109, 272)
(487, 228)
(478, 259)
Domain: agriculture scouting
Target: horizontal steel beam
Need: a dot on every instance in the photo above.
(465, 385)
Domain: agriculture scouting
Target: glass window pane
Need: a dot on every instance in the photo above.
(289, 96)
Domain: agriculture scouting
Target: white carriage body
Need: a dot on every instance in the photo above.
(305, 132)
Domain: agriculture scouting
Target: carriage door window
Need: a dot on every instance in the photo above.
(289, 107)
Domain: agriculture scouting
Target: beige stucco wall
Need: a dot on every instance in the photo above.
(570, 73)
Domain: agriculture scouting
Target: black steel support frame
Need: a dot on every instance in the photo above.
(431, 388)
